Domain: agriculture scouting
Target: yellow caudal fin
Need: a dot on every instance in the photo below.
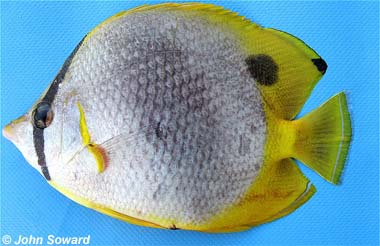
(323, 138)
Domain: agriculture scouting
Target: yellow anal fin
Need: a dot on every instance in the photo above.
(103, 209)
(279, 189)
(97, 152)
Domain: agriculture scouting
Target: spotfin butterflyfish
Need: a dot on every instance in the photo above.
(183, 116)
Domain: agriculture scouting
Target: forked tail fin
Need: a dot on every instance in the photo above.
(323, 138)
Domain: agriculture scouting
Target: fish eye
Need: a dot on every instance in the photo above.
(42, 115)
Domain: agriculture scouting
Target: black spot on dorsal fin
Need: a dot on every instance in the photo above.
(263, 69)
(320, 64)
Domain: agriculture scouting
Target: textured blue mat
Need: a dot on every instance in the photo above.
(36, 37)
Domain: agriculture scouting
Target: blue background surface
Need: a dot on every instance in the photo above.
(36, 37)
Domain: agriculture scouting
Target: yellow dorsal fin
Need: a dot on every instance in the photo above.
(285, 68)
(212, 12)
(215, 14)
(298, 69)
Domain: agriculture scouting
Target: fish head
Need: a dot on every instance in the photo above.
(20, 133)
(48, 135)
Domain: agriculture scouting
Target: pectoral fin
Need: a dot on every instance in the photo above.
(96, 151)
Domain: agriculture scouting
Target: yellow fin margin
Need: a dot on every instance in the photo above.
(102, 209)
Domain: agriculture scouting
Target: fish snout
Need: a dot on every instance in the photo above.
(9, 131)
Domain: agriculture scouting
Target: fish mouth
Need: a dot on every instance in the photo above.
(9, 131)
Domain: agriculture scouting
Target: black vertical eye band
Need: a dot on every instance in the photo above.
(38, 140)
(43, 115)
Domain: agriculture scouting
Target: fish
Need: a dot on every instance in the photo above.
(184, 116)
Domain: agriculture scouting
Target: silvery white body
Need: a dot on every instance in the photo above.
(171, 101)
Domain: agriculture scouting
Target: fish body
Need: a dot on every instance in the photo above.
(181, 116)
